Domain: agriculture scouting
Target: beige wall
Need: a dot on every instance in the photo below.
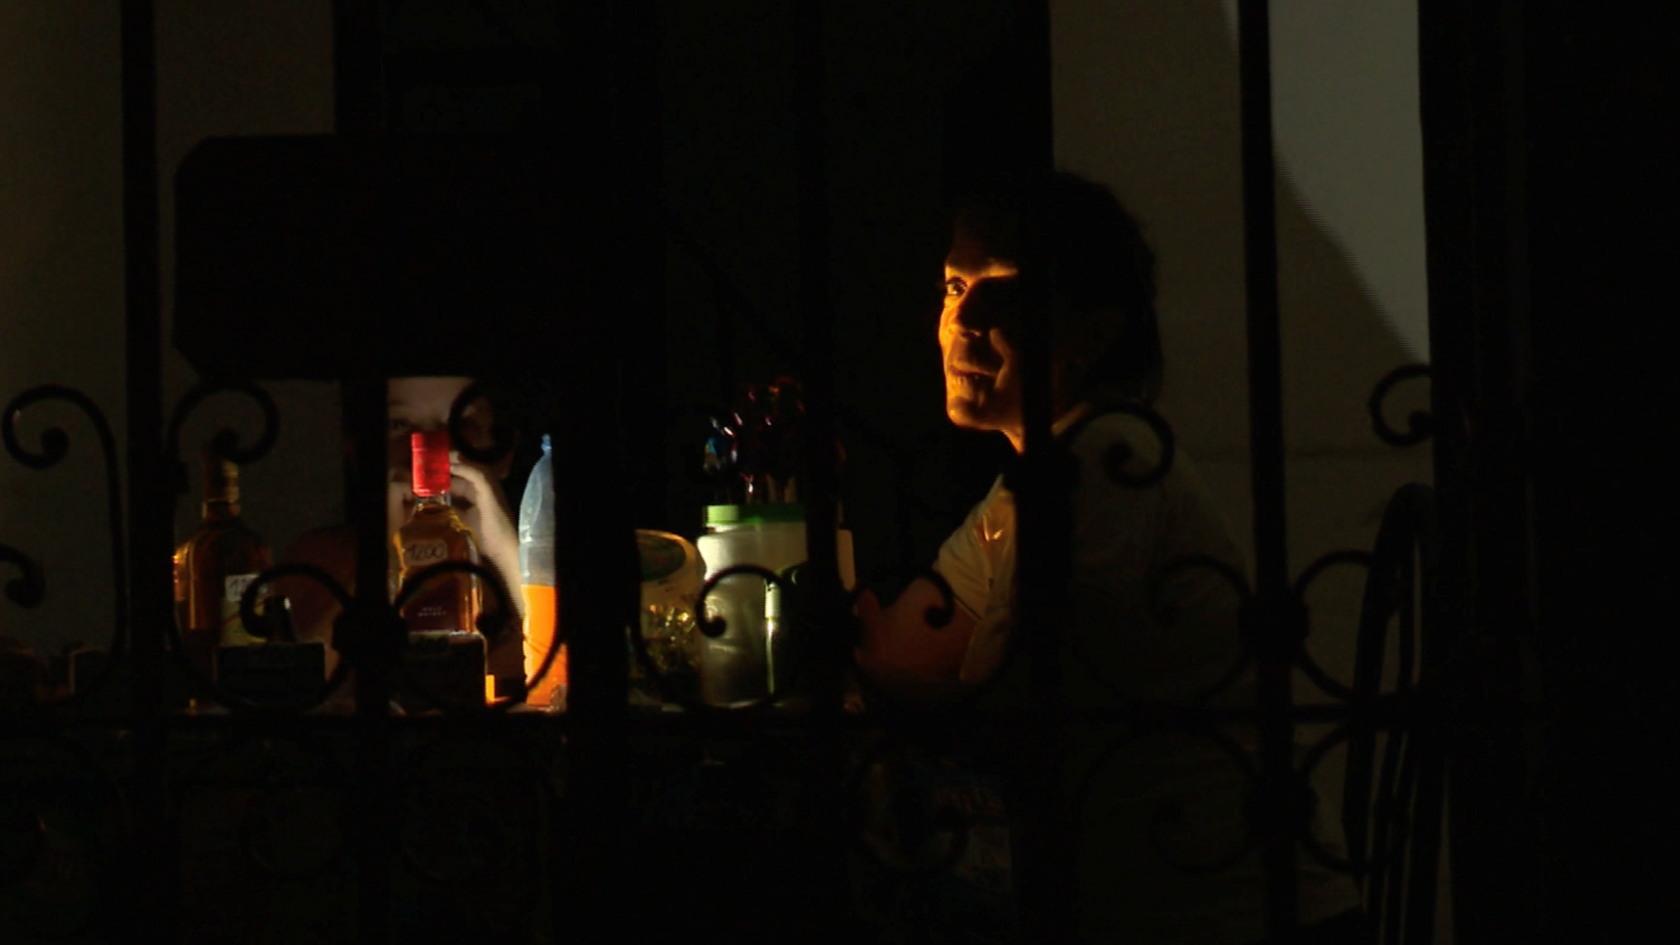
(60, 266)
(253, 67)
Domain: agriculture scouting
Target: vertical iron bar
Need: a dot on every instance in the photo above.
(821, 478)
(637, 112)
(1504, 518)
(595, 552)
(363, 412)
(1445, 112)
(826, 857)
(1048, 880)
(357, 115)
(1464, 75)
(1272, 626)
(154, 891)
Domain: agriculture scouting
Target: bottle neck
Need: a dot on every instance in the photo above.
(220, 511)
(221, 489)
(428, 503)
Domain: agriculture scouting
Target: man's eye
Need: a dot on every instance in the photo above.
(399, 425)
(954, 288)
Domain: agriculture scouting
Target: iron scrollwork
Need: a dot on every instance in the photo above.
(712, 627)
(225, 443)
(54, 447)
(266, 624)
(938, 616)
(263, 624)
(1322, 679)
(1120, 453)
(1420, 425)
(491, 624)
(715, 627)
(1170, 810)
(1356, 863)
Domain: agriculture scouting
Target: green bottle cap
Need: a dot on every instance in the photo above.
(768, 513)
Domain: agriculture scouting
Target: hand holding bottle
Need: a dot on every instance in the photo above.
(484, 508)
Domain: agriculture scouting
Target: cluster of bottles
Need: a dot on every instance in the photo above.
(759, 521)
(446, 656)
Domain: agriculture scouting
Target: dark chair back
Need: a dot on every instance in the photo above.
(1392, 810)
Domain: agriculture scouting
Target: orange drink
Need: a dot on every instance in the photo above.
(541, 611)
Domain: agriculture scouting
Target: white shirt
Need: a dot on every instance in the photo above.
(1173, 789)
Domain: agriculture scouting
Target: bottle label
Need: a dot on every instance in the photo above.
(420, 554)
(233, 632)
(234, 587)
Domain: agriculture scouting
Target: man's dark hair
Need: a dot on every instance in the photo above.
(1099, 261)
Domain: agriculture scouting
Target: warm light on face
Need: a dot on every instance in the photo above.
(982, 367)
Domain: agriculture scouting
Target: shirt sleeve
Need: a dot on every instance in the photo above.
(978, 561)
(964, 561)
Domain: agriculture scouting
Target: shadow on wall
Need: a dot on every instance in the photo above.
(1147, 101)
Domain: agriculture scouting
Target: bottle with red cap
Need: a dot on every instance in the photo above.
(433, 534)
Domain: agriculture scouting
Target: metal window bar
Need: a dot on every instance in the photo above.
(1278, 620)
(148, 599)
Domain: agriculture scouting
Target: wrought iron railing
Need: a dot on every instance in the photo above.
(393, 792)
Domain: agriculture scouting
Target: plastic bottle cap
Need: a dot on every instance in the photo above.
(769, 513)
(431, 461)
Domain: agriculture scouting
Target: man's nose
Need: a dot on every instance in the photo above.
(963, 318)
(982, 308)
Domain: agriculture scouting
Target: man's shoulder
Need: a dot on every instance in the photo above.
(1132, 476)
(1129, 445)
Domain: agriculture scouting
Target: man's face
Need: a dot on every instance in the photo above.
(981, 316)
(422, 403)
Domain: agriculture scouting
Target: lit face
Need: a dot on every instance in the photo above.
(981, 315)
(422, 403)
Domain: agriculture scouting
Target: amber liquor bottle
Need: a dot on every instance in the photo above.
(433, 534)
(214, 566)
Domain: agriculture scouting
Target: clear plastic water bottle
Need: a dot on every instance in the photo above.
(537, 583)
